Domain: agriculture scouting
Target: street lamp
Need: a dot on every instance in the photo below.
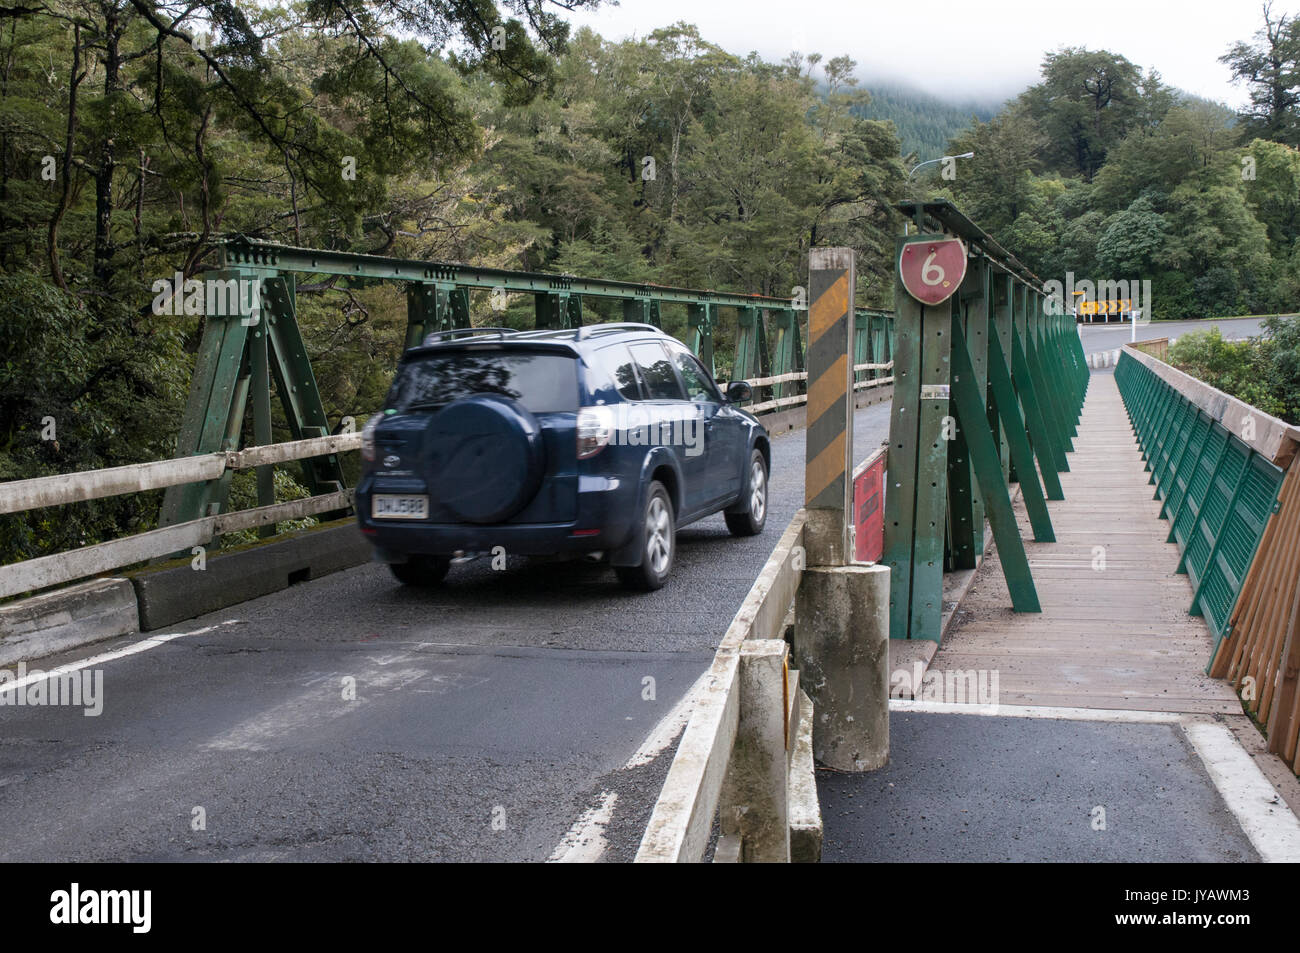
(964, 155)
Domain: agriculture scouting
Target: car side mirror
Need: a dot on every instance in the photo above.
(738, 391)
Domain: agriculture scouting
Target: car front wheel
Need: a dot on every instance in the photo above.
(659, 543)
(750, 521)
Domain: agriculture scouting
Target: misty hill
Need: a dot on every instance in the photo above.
(925, 122)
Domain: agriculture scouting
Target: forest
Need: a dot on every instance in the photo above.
(1103, 170)
(134, 134)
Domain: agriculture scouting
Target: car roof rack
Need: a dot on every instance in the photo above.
(436, 336)
(615, 326)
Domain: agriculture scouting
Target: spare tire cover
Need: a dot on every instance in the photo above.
(485, 458)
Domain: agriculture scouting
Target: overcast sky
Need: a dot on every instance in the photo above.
(965, 48)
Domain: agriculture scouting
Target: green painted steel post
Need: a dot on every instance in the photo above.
(976, 327)
(904, 437)
(1007, 407)
(971, 412)
(421, 313)
(861, 343)
(1000, 334)
(751, 347)
(218, 394)
(965, 509)
(917, 496)
(260, 386)
(700, 321)
(787, 355)
(550, 309)
(296, 384)
(573, 312)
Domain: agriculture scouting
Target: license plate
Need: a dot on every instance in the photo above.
(386, 507)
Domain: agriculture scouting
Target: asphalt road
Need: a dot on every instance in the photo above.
(1106, 337)
(348, 718)
(962, 788)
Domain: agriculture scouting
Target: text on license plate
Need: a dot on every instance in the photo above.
(386, 507)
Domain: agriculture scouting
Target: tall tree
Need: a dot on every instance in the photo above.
(1270, 68)
(1086, 102)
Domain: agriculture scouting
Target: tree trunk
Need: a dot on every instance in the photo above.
(113, 29)
(65, 171)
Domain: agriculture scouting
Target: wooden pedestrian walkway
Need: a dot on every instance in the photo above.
(1114, 632)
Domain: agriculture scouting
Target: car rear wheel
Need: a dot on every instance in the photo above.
(750, 521)
(659, 542)
(423, 571)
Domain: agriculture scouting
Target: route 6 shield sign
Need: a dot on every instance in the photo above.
(932, 269)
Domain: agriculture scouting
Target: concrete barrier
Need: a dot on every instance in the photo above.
(841, 644)
(66, 619)
(176, 591)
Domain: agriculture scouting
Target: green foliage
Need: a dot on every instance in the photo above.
(478, 131)
(1270, 69)
(1103, 171)
(243, 496)
(82, 387)
(924, 123)
(1262, 371)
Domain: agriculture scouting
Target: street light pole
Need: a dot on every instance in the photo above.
(964, 155)
(908, 182)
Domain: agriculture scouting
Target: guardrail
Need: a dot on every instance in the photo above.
(1227, 474)
(58, 568)
(780, 403)
(1218, 489)
(746, 754)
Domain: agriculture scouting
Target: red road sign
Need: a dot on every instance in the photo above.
(932, 269)
(868, 512)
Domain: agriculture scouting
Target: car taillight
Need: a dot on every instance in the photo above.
(368, 438)
(595, 430)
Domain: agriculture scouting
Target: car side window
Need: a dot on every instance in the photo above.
(698, 385)
(618, 363)
(657, 372)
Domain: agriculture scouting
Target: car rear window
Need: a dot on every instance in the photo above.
(542, 382)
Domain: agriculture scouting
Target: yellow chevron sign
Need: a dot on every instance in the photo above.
(1115, 306)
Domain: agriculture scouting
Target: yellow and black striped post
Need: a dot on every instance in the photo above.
(828, 457)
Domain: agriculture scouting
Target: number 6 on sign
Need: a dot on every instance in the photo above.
(931, 273)
(931, 270)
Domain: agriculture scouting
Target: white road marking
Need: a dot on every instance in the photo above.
(1264, 817)
(1036, 711)
(669, 727)
(133, 649)
(585, 842)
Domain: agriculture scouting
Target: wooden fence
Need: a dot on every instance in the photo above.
(1261, 655)
(45, 571)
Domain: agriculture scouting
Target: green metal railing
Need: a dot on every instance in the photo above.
(988, 387)
(1217, 491)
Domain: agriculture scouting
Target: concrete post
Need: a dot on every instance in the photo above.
(754, 801)
(841, 641)
(841, 648)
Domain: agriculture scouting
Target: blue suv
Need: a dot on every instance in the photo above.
(604, 439)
